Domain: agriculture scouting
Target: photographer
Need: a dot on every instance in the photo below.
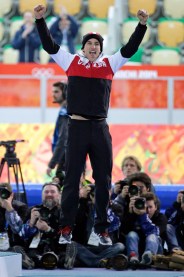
(41, 229)
(175, 226)
(12, 215)
(85, 213)
(129, 166)
(89, 251)
(142, 181)
(144, 228)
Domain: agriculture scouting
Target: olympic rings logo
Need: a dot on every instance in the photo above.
(40, 72)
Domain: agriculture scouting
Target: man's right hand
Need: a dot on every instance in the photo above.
(39, 11)
(49, 171)
(34, 216)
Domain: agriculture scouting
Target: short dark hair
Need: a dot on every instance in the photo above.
(140, 177)
(63, 87)
(52, 184)
(151, 196)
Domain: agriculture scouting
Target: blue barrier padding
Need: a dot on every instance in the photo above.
(166, 193)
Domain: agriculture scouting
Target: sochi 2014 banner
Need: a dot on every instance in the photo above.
(159, 148)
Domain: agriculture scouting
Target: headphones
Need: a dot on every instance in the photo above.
(64, 90)
(63, 87)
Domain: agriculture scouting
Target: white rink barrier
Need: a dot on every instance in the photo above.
(10, 264)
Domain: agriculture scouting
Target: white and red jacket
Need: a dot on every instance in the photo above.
(89, 83)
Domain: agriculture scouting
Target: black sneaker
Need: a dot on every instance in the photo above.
(27, 262)
(66, 235)
(104, 239)
(71, 252)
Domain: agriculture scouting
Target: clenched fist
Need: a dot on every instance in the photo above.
(39, 11)
(143, 16)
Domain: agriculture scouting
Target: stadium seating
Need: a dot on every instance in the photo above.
(29, 5)
(72, 7)
(16, 23)
(99, 26)
(44, 56)
(170, 33)
(127, 29)
(167, 31)
(135, 5)
(5, 7)
(10, 55)
(165, 57)
(1, 30)
(174, 9)
(100, 8)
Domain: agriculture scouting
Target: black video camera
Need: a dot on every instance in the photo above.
(140, 203)
(4, 193)
(44, 213)
(133, 190)
(10, 146)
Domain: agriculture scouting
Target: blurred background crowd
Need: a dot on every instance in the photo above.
(113, 19)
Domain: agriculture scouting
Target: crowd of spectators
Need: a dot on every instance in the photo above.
(138, 229)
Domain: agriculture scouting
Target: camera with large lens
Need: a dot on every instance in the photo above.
(123, 183)
(44, 213)
(49, 260)
(133, 190)
(4, 193)
(140, 203)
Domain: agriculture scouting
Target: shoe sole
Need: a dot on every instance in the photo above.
(27, 263)
(120, 263)
(71, 252)
(146, 260)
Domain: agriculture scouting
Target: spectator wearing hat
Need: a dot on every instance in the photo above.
(89, 84)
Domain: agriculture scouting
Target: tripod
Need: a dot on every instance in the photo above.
(11, 160)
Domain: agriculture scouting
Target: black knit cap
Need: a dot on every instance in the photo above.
(92, 35)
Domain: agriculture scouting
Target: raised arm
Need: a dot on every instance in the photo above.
(48, 43)
(136, 38)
